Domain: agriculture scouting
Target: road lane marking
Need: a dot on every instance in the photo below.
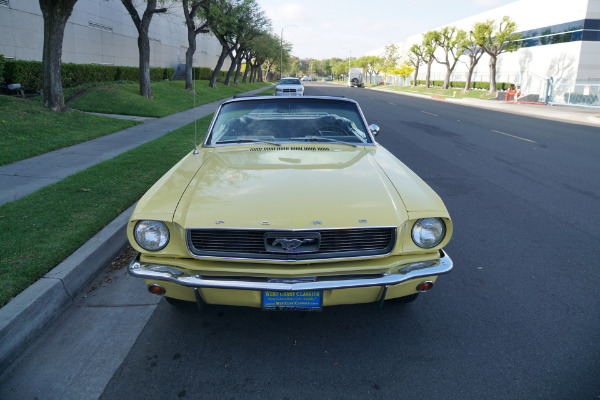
(428, 113)
(394, 104)
(516, 137)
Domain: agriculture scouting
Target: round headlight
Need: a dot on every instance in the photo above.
(151, 235)
(428, 232)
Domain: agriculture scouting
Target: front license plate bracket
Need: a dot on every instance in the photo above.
(305, 300)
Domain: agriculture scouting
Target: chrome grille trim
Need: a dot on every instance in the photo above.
(249, 244)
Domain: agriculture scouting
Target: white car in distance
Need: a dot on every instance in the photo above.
(289, 87)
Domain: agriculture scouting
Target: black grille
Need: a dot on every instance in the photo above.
(334, 243)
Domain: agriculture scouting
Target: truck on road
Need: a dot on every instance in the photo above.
(355, 78)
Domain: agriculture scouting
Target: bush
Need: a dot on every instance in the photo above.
(168, 73)
(1, 69)
(27, 73)
(201, 73)
(128, 74)
(156, 74)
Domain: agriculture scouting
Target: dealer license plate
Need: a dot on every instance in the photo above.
(310, 300)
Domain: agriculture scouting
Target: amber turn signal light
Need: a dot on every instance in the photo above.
(425, 286)
(156, 289)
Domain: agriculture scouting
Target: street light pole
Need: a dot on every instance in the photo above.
(281, 50)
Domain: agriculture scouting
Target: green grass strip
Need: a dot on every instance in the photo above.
(39, 231)
(169, 97)
(29, 129)
(435, 91)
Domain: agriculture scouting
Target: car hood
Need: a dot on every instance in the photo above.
(298, 187)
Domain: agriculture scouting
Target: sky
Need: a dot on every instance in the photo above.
(322, 29)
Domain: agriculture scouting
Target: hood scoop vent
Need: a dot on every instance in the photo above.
(290, 148)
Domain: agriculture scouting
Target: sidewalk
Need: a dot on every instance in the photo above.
(24, 177)
(26, 317)
(575, 115)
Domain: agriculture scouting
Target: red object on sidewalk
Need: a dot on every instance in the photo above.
(510, 94)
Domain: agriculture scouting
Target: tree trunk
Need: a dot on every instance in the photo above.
(246, 71)
(427, 78)
(213, 78)
(492, 74)
(189, 59)
(236, 80)
(230, 70)
(144, 49)
(142, 25)
(259, 72)
(447, 79)
(416, 75)
(469, 76)
(55, 14)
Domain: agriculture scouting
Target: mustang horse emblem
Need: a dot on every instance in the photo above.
(291, 244)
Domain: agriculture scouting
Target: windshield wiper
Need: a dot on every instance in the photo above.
(318, 138)
(247, 141)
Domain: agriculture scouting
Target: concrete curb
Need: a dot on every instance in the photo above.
(26, 317)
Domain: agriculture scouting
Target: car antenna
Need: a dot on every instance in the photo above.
(194, 89)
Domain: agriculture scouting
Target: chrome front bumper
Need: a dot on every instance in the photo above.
(404, 273)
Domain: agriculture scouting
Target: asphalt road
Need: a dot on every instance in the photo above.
(517, 318)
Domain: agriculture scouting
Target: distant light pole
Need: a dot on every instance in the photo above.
(281, 50)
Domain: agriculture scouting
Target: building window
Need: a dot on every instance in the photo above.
(96, 25)
(587, 30)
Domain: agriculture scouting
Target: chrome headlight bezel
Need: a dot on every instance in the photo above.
(151, 235)
(428, 233)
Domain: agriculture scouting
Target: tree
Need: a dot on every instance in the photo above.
(266, 49)
(339, 67)
(390, 59)
(327, 67)
(495, 40)
(296, 68)
(416, 58)
(55, 14)
(190, 11)
(405, 69)
(251, 22)
(452, 41)
(474, 52)
(142, 24)
(429, 47)
(220, 18)
(371, 64)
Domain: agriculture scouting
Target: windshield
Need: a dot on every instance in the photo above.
(289, 81)
(282, 121)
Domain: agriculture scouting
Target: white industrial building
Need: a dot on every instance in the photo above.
(560, 42)
(102, 32)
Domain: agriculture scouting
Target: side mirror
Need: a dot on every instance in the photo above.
(374, 129)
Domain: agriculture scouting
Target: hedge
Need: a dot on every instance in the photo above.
(201, 73)
(474, 85)
(1, 69)
(29, 74)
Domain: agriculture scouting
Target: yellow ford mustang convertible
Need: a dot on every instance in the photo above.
(289, 204)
